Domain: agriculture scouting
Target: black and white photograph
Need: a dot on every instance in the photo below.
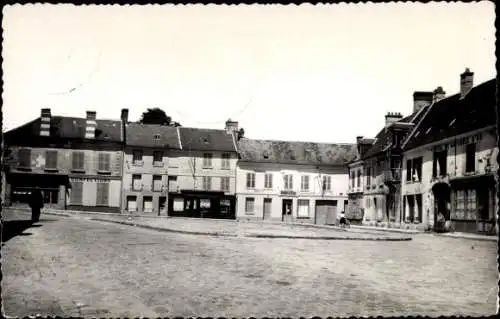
(249, 160)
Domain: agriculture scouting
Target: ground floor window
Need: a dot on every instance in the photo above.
(412, 208)
(178, 205)
(249, 205)
(76, 193)
(50, 196)
(147, 204)
(465, 205)
(132, 203)
(303, 208)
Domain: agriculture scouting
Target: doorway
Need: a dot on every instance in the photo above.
(267, 208)
(287, 210)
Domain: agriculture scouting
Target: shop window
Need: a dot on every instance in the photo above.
(303, 208)
(76, 193)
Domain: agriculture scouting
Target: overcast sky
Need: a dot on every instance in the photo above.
(309, 73)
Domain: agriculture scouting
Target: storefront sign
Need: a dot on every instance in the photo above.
(204, 203)
(293, 193)
(476, 138)
(89, 179)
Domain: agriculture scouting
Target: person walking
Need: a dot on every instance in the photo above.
(36, 204)
(342, 219)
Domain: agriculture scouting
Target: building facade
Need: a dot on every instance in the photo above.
(450, 163)
(145, 167)
(76, 162)
(292, 181)
(202, 173)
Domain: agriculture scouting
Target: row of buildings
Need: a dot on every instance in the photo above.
(124, 167)
(434, 169)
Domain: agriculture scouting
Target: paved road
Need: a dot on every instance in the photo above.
(70, 267)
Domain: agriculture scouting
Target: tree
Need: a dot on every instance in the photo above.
(157, 116)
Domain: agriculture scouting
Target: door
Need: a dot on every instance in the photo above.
(267, 208)
(287, 210)
(161, 206)
(483, 211)
(331, 213)
(326, 212)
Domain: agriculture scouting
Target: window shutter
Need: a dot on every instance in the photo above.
(102, 194)
(76, 193)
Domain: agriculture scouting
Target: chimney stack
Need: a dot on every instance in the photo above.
(231, 126)
(421, 99)
(45, 122)
(124, 116)
(466, 82)
(91, 124)
(391, 117)
(438, 94)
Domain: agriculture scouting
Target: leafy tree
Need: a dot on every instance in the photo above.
(241, 133)
(157, 116)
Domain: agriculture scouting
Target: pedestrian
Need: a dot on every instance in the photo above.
(342, 219)
(36, 204)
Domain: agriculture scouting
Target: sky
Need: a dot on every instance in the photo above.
(324, 73)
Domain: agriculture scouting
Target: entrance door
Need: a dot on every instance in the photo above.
(287, 210)
(483, 211)
(331, 213)
(161, 206)
(326, 212)
(267, 208)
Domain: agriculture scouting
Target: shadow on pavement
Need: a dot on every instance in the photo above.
(13, 228)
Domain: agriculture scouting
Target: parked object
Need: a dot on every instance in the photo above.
(36, 204)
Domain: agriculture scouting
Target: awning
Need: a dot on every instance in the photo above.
(473, 181)
(37, 180)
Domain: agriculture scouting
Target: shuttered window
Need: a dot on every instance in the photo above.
(327, 183)
(51, 159)
(207, 183)
(225, 164)
(78, 160)
(303, 208)
(25, 157)
(207, 160)
(304, 183)
(268, 180)
(250, 180)
(224, 183)
(136, 182)
(103, 162)
(288, 182)
(102, 194)
(157, 183)
(76, 193)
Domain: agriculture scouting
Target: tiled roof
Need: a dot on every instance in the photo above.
(66, 128)
(284, 152)
(149, 135)
(201, 139)
(453, 116)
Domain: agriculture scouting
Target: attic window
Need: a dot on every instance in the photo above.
(265, 155)
(428, 130)
(452, 121)
(157, 137)
(205, 140)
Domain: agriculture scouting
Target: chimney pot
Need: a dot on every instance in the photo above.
(124, 116)
(421, 99)
(45, 118)
(466, 82)
(231, 126)
(392, 117)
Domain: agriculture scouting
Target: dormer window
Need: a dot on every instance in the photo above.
(205, 140)
(265, 155)
(156, 137)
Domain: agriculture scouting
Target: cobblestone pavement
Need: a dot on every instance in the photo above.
(71, 267)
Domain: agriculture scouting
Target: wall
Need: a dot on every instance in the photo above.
(339, 187)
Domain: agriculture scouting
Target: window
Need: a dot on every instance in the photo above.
(225, 163)
(24, 158)
(368, 176)
(136, 182)
(353, 179)
(156, 137)
(207, 183)
(249, 205)
(470, 158)
(303, 208)
(51, 159)
(102, 194)
(418, 200)
(137, 157)
(359, 179)
(147, 204)
(131, 203)
(158, 158)
(304, 183)
(76, 193)
(268, 180)
(414, 170)
(288, 182)
(250, 180)
(103, 162)
(439, 163)
(157, 183)
(224, 184)
(465, 205)
(78, 160)
(327, 183)
(207, 160)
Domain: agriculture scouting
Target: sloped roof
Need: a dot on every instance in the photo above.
(201, 139)
(66, 128)
(453, 116)
(285, 152)
(152, 135)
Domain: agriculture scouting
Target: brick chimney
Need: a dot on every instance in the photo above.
(438, 94)
(466, 82)
(421, 99)
(45, 122)
(391, 117)
(90, 125)
(231, 126)
(124, 118)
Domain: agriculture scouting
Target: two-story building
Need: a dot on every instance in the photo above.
(202, 173)
(292, 181)
(76, 162)
(355, 210)
(450, 162)
(145, 166)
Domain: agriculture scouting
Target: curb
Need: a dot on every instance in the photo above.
(385, 229)
(269, 236)
(493, 238)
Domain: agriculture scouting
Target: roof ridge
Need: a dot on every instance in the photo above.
(291, 141)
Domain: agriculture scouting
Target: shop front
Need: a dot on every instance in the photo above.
(201, 204)
(473, 209)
